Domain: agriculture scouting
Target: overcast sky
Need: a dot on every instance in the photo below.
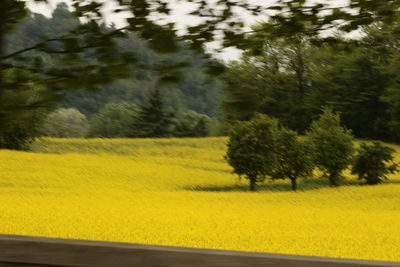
(178, 15)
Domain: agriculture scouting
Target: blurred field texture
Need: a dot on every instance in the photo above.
(181, 192)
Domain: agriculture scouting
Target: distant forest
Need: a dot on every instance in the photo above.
(196, 91)
(291, 78)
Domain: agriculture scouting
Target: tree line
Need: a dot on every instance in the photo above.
(126, 120)
(292, 78)
(263, 148)
(41, 62)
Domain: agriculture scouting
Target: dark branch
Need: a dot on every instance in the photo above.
(310, 8)
(59, 39)
(17, 53)
(11, 66)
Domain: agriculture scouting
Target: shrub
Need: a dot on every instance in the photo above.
(113, 120)
(23, 106)
(192, 124)
(18, 136)
(65, 122)
(332, 144)
(374, 162)
(293, 156)
(251, 149)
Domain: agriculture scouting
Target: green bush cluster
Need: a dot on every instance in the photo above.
(126, 120)
(374, 162)
(151, 119)
(262, 148)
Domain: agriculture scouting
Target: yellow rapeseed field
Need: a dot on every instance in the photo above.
(181, 192)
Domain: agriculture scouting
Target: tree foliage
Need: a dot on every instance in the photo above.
(64, 123)
(294, 157)
(153, 120)
(196, 90)
(251, 148)
(374, 162)
(113, 121)
(275, 82)
(192, 124)
(69, 50)
(332, 144)
(23, 106)
(291, 79)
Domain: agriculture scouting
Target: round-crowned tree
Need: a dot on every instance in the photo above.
(251, 149)
(113, 121)
(65, 122)
(294, 157)
(374, 162)
(332, 144)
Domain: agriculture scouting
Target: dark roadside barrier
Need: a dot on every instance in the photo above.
(40, 252)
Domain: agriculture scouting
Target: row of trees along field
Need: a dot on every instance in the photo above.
(119, 120)
(262, 148)
(43, 60)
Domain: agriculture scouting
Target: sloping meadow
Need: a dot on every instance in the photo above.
(181, 192)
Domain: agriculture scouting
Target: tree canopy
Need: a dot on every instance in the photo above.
(292, 81)
(251, 149)
(374, 162)
(332, 145)
(196, 90)
(20, 68)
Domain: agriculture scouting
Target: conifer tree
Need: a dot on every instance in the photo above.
(153, 120)
(201, 128)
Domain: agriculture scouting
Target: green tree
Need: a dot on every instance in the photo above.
(290, 79)
(20, 134)
(374, 162)
(201, 128)
(294, 157)
(219, 127)
(153, 120)
(23, 105)
(386, 40)
(113, 121)
(332, 144)
(192, 124)
(352, 83)
(250, 89)
(251, 149)
(65, 123)
(273, 80)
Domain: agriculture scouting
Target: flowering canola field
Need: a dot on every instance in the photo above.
(180, 192)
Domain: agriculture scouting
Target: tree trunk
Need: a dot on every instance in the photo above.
(294, 184)
(333, 180)
(372, 180)
(253, 184)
